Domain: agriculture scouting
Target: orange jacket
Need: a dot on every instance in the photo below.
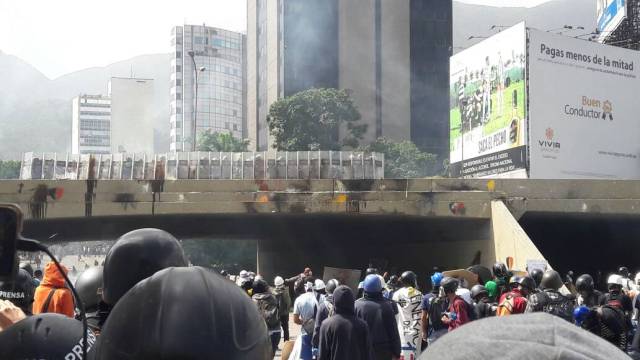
(61, 300)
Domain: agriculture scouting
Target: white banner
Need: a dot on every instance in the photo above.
(488, 106)
(583, 109)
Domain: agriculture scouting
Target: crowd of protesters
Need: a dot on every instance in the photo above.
(148, 302)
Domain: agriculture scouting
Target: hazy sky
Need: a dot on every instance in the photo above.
(62, 36)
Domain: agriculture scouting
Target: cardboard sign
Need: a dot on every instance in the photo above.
(461, 274)
(537, 264)
(348, 277)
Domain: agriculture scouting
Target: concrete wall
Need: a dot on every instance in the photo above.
(509, 239)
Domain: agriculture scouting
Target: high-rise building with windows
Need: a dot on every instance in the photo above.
(393, 55)
(91, 125)
(218, 56)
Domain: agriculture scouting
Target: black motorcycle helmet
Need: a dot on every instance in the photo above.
(527, 282)
(184, 313)
(44, 336)
(27, 267)
(260, 286)
(331, 286)
(478, 291)
(449, 284)
(370, 271)
(408, 278)
(514, 281)
(484, 274)
(393, 281)
(89, 288)
(551, 280)
(19, 291)
(584, 283)
(136, 256)
(536, 275)
(623, 271)
(500, 270)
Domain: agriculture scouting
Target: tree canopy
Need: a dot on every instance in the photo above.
(404, 159)
(216, 141)
(312, 120)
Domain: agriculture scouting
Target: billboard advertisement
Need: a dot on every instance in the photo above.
(610, 14)
(487, 105)
(583, 109)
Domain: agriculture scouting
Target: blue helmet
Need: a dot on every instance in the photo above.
(436, 278)
(580, 314)
(372, 284)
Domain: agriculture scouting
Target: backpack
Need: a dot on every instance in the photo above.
(505, 307)
(559, 305)
(282, 304)
(330, 307)
(436, 308)
(269, 311)
(471, 311)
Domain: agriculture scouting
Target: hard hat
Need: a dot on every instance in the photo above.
(372, 284)
(408, 278)
(260, 286)
(449, 284)
(89, 288)
(551, 280)
(478, 290)
(278, 281)
(135, 256)
(638, 278)
(527, 282)
(436, 278)
(371, 271)
(465, 294)
(499, 269)
(580, 314)
(623, 271)
(492, 288)
(536, 275)
(44, 336)
(614, 279)
(243, 274)
(214, 318)
(319, 285)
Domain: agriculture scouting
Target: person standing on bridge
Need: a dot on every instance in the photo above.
(52, 295)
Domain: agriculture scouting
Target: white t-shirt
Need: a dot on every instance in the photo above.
(409, 302)
(305, 306)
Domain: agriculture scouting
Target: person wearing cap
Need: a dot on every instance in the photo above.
(52, 295)
(377, 312)
(319, 291)
(325, 310)
(343, 335)
(281, 293)
(304, 313)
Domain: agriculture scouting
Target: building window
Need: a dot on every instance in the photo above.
(226, 125)
(235, 127)
(178, 68)
(235, 113)
(178, 82)
(197, 40)
(178, 54)
(178, 96)
(178, 110)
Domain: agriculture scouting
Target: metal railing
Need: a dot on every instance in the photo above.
(204, 165)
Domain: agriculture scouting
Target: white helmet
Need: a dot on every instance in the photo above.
(278, 281)
(465, 294)
(319, 285)
(614, 279)
(638, 278)
(244, 274)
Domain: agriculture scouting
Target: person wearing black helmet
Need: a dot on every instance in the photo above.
(27, 267)
(44, 336)
(89, 288)
(536, 275)
(19, 291)
(325, 310)
(369, 271)
(457, 313)
(137, 255)
(408, 298)
(268, 307)
(392, 286)
(587, 294)
(344, 336)
(501, 276)
(515, 301)
(482, 305)
(155, 320)
(550, 300)
(377, 312)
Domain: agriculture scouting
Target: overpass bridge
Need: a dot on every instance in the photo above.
(583, 225)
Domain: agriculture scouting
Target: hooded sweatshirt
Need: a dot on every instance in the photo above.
(539, 336)
(343, 335)
(61, 299)
(377, 312)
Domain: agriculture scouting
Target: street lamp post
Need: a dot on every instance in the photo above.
(195, 99)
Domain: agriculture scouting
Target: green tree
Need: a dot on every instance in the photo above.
(215, 141)
(404, 159)
(9, 169)
(312, 119)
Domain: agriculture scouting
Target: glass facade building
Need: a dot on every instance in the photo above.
(91, 125)
(219, 70)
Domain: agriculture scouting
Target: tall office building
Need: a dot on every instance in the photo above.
(131, 115)
(392, 55)
(91, 125)
(218, 56)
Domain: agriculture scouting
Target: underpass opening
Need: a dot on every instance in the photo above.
(596, 244)
(289, 242)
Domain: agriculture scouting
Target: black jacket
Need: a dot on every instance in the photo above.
(377, 312)
(343, 335)
(321, 315)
